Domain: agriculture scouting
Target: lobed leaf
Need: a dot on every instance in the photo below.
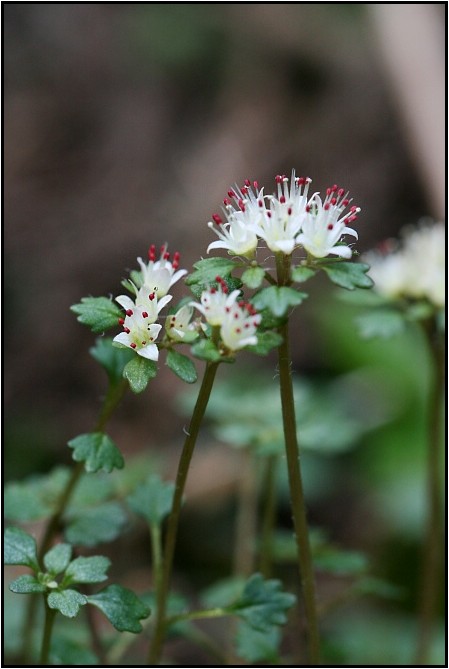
(111, 358)
(302, 273)
(98, 313)
(35, 497)
(265, 342)
(57, 559)
(182, 366)
(97, 451)
(152, 499)
(263, 604)
(348, 275)
(139, 371)
(87, 570)
(121, 607)
(67, 602)
(19, 548)
(253, 277)
(27, 584)
(206, 350)
(278, 299)
(257, 646)
(91, 526)
(208, 269)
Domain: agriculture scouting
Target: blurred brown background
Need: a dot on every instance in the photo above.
(125, 124)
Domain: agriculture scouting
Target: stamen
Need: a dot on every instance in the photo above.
(133, 345)
(129, 312)
(218, 220)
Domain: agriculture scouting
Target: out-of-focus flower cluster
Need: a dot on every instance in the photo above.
(413, 269)
(285, 220)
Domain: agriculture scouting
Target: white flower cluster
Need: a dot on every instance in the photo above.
(237, 320)
(285, 220)
(140, 330)
(414, 269)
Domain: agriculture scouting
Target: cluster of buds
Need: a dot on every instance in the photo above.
(285, 220)
(140, 329)
(236, 320)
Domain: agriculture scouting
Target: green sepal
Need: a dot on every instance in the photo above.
(27, 584)
(301, 273)
(278, 299)
(182, 366)
(380, 323)
(208, 269)
(19, 548)
(98, 313)
(152, 499)
(97, 451)
(121, 607)
(253, 277)
(205, 349)
(67, 602)
(348, 275)
(139, 371)
(263, 604)
(112, 358)
(265, 342)
(57, 559)
(87, 570)
(89, 527)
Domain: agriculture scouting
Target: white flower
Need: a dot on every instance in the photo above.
(145, 300)
(324, 224)
(160, 275)
(139, 333)
(242, 210)
(239, 326)
(414, 270)
(282, 221)
(216, 302)
(179, 326)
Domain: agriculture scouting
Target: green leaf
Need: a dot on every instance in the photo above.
(182, 366)
(152, 499)
(110, 357)
(343, 563)
(206, 350)
(87, 570)
(223, 593)
(89, 527)
(36, 497)
(98, 313)
(121, 607)
(67, 602)
(265, 342)
(301, 273)
(349, 275)
(139, 371)
(19, 548)
(57, 559)
(253, 277)
(27, 584)
(97, 451)
(380, 323)
(256, 645)
(263, 604)
(68, 653)
(278, 299)
(209, 268)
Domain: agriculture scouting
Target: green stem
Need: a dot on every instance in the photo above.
(269, 515)
(46, 639)
(156, 551)
(173, 519)
(434, 544)
(217, 612)
(246, 522)
(297, 499)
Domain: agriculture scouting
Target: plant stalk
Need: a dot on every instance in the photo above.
(269, 515)
(297, 499)
(173, 519)
(46, 639)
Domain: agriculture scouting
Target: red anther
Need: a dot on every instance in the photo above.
(144, 343)
(351, 219)
(341, 192)
(242, 205)
(152, 253)
(163, 249)
(328, 191)
(121, 321)
(166, 255)
(256, 185)
(260, 203)
(127, 330)
(300, 181)
(144, 314)
(289, 211)
(176, 255)
(326, 206)
(242, 304)
(173, 319)
(248, 183)
(278, 178)
(238, 330)
(345, 202)
(334, 188)
(133, 345)
(218, 279)
(354, 208)
(244, 190)
(334, 200)
(269, 214)
(213, 290)
(226, 202)
(236, 315)
(330, 226)
(282, 199)
(308, 208)
(217, 219)
(247, 325)
(129, 312)
(227, 309)
(231, 193)
(151, 296)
